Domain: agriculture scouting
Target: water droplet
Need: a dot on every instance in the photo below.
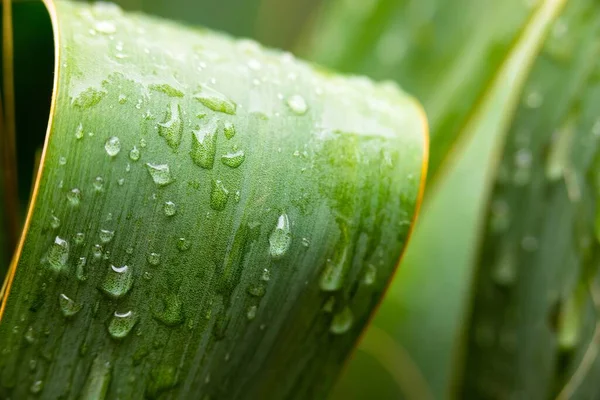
(215, 100)
(160, 173)
(112, 146)
(147, 275)
(121, 324)
(97, 251)
(106, 235)
(166, 89)
(281, 237)
(117, 282)
(234, 159)
(54, 222)
(30, 335)
(297, 104)
(172, 311)
(143, 143)
(98, 184)
(153, 259)
(534, 100)
(122, 99)
(58, 254)
(134, 154)
(171, 129)
(229, 130)
(80, 270)
(183, 244)
(204, 145)
(79, 132)
(370, 275)
(74, 197)
(105, 27)
(169, 208)
(88, 98)
(336, 268)
(257, 290)
(266, 275)
(121, 181)
(504, 272)
(237, 196)
(68, 306)
(305, 242)
(36, 387)
(328, 306)
(62, 160)
(342, 322)
(218, 195)
(251, 313)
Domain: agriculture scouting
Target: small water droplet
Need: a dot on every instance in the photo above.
(172, 311)
(105, 27)
(112, 146)
(30, 335)
(121, 324)
(229, 130)
(62, 160)
(257, 290)
(328, 306)
(98, 184)
(122, 99)
(117, 282)
(281, 237)
(342, 322)
(215, 100)
(183, 244)
(336, 268)
(169, 208)
(106, 235)
(305, 242)
(153, 259)
(80, 270)
(251, 313)
(134, 154)
(143, 143)
(121, 181)
(160, 173)
(266, 275)
(88, 98)
(58, 254)
(68, 306)
(234, 159)
(79, 132)
(147, 275)
(36, 387)
(218, 195)
(54, 222)
(370, 275)
(97, 251)
(297, 104)
(171, 129)
(74, 197)
(204, 145)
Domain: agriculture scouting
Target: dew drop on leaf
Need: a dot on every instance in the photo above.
(160, 173)
(218, 195)
(342, 322)
(169, 208)
(58, 254)
(171, 129)
(134, 154)
(68, 306)
(112, 146)
(153, 259)
(204, 145)
(106, 235)
(117, 281)
(234, 159)
(215, 100)
(121, 324)
(281, 237)
(297, 104)
(229, 130)
(74, 197)
(251, 313)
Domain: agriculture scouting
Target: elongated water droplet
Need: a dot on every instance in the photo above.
(215, 100)
(171, 129)
(204, 145)
(153, 259)
(58, 254)
(79, 132)
(134, 154)
(281, 237)
(251, 313)
(297, 104)
(98, 379)
(117, 282)
(169, 208)
(234, 159)
(229, 130)
(106, 235)
(171, 313)
(336, 268)
(121, 324)
(218, 195)
(370, 275)
(112, 146)
(160, 173)
(166, 89)
(80, 270)
(342, 322)
(54, 222)
(68, 306)
(30, 335)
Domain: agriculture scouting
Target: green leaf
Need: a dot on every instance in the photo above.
(211, 219)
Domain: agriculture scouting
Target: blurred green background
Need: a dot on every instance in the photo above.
(497, 297)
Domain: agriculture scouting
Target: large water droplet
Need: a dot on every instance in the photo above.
(234, 159)
(58, 254)
(160, 173)
(166, 89)
(218, 195)
(229, 130)
(171, 313)
(171, 129)
(121, 324)
(68, 306)
(112, 146)
(215, 100)
(281, 237)
(169, 208)
(117, 282)
(342, 322)
(297, 104)
(106, 235)
(204, 145)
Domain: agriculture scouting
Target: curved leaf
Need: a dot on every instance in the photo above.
(211, 219)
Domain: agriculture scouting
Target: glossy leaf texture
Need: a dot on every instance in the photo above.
(532, 332)
(446, 53)
(212, 219)
(414, 348)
